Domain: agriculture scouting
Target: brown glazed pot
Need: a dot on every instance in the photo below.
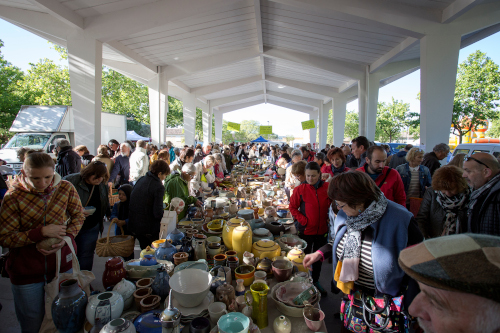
(180, 257)
(282, 269)
(150, 302)
(139, 294)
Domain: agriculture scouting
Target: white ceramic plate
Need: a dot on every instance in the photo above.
(209, 299)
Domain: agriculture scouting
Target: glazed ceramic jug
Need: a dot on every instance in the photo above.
(282, 325)
(259, 292)
(242, 240)
(227, 231)
(166, 251)
(68, 308)
(114, 272)
(175, 237)
(161, 285)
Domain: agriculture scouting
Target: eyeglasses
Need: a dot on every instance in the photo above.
(339, 206)
(466, 159)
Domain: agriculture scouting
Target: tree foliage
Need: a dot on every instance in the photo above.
(392, 118)
(351, 125)
(477, 93)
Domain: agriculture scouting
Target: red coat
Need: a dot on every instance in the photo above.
(309, 207)
(328, 169)
(393, 187)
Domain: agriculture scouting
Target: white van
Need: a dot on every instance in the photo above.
(472, 148)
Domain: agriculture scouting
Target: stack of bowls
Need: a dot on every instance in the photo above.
(283, 294)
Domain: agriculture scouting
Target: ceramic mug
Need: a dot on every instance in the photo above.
(241, 302)
(199, 325)
(260, 275)
(220, 259)
(216, 310)
(233, 322)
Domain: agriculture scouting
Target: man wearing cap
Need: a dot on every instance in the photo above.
(459, 279)
(482, 173)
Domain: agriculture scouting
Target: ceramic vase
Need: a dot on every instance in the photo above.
(105, 306)
(242, 240)
(240, 288)
(166, 251)
(68, 308)
(114, 272)
(126, 289)
(161, 285)
(119, 325)
(148, 260)
(282, 325)
(188, 248)
(175, 237)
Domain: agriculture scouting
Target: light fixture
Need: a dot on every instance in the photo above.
(281, 86)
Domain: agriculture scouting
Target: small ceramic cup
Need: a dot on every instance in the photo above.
(199, 325)
(231, 253)
(260, 275)
(241, 302)
(216, 310)
(220, 259)
(227, 272)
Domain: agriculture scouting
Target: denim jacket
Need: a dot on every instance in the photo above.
(424, 176)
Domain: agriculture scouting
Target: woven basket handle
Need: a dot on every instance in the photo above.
(109, 229)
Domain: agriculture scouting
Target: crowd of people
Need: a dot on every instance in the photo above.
(358, 204)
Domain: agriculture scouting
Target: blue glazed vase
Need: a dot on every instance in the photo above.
(161, 283)
(148, 260)
(166, 251)
(175, 237)
(186, 247)
(68, 308)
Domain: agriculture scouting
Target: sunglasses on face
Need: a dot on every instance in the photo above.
(466, 159)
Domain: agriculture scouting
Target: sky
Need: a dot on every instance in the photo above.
(22, 47)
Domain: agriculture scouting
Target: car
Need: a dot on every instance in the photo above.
(395, 146)
(472, 148)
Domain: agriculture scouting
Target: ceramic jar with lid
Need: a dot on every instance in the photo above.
(126, 289)
(147, 250)
(166, 251)
(295, 253)
(114, 272)
(266, 248)
(242, 240)
(227, 231)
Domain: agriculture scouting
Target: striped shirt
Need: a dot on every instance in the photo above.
(365, 278)
(414, 187)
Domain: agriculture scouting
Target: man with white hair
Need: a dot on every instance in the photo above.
(121, 170)
(139, 162)
(459, 279)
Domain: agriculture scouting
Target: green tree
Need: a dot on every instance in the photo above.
(392, 118)
(477, 94)
(351, 129)
(10, 101)
(494, 129)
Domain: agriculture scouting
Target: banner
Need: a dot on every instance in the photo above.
(233, 126)
(308, 124)
(266, 130)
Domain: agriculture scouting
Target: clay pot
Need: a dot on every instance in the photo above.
(150, 302)
(144, 283)
(282, 270)
(114, 272)
(139, 294)
(180, 257)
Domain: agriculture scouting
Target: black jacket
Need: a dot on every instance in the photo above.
(398, 159)
(68, 162)
(146, 206)
(122, 169)
(431, 161)
(353, 163)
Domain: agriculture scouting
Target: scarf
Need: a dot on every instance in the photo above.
(352, 245)
(451, 207)
(475, 195)
(339, 170)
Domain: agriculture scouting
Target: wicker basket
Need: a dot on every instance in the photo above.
(122, 245)
(113, 198)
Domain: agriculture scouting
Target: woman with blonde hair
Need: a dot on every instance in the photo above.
(416, 177)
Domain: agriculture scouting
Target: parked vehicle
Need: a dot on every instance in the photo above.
(472, 148)
(38, 127)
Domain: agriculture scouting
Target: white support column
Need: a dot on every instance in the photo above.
(313, 131)
(339, 113)
(218, 126)
(85, 74)
(205, 108)
(189, 111)
(362, 92)
(210, 122)
(324, 124)
(438, 70)
(371, 113)
(158, 108)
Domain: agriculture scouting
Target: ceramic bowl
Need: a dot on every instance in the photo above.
(119, 325)
(246, 273)
(291, 311)
(106, 300)
(215, 225)
(89, 210)
(314, 325)
(144, 283)
(290, 290)
(189, 287)
(213, 239)
(200, 264)
(126, 289)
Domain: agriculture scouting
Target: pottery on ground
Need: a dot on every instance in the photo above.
(114, 272)
(104, 306)
(150, 302)
(282, 325)
(190, 286)
(68, 308)
(126, 289)
(139, 294)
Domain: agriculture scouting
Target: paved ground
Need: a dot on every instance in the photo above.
(9, 324)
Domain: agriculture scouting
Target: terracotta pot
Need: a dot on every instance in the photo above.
(180, 257)
(144, 283)
(139, 294)
(150, 302)
(114, 272)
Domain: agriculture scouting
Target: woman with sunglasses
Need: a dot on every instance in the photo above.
(177, 186)
(416, 177)
(90, 184)
(444, 207)
(368, 234)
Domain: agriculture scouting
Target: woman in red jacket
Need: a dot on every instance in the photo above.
(337, 163)
(309, 206)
